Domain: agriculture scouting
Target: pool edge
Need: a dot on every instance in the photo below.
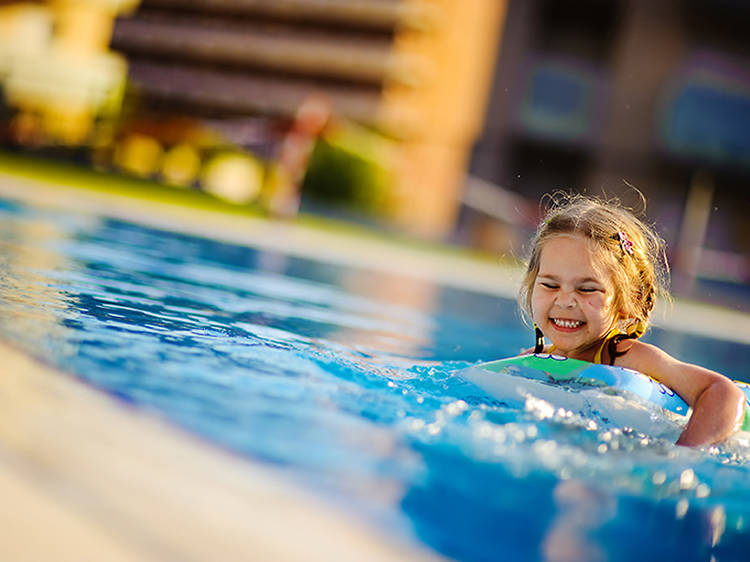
(94, 479)
(495, 278)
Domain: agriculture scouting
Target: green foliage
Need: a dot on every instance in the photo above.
(350, 168)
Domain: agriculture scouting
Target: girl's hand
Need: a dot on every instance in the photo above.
(718, 405)
(717, 414)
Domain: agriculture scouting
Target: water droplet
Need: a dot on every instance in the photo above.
(681, 508)
(455, 408)
(687, 479)
(718, 524)
(659, 478)
(540, 408)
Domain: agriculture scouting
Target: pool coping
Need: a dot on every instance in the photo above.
(85, 477)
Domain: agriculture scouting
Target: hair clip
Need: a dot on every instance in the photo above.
(625, 243)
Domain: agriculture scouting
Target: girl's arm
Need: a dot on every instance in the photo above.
(717, 403)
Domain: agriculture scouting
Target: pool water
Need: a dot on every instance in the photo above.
(344, 380)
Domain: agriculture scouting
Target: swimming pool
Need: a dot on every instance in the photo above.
(343, 378)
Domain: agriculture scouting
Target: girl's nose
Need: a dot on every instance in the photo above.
(566, 300)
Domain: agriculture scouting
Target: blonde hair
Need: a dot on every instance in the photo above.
(628, 250)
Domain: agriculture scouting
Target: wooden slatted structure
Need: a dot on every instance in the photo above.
(416, 69)
(253, 56)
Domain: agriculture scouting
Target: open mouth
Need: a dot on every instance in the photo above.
(567, 324)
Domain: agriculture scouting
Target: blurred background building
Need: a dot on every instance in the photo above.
(447, 119)
(600, 95)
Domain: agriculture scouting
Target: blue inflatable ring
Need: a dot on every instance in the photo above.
(558, 369)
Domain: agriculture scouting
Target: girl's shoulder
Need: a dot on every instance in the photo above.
(641, 356)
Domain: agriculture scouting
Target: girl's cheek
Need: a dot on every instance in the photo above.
(597, 303)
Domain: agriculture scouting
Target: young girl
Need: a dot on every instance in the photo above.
(590, 287)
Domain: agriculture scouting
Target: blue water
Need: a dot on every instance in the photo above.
(344, 380)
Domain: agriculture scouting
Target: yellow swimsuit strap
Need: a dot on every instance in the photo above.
(612, 333)
(634, 329)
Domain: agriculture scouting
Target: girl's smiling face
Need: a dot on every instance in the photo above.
(571, 300)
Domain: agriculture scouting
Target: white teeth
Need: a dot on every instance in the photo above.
(566, 323)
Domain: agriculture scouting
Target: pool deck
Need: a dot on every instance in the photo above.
(89, 477)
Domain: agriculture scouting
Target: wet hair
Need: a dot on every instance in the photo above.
(625, 249)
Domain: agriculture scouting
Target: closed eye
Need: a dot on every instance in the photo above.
(588, 290)
(549, 285)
